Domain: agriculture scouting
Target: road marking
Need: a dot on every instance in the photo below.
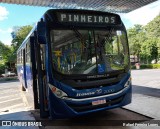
(8, 88)
(12, 107)
(9, 92)
(9, 100)
(9, 96)
(24, 99)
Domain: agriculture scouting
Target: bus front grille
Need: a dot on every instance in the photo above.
(80, 84)
(89, 106)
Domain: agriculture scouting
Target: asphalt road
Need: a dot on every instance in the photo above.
(154, 92)
(146, 82)
(10, 96)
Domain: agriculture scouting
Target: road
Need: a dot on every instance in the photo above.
(10, 97)
(146, 78)
(145, 82)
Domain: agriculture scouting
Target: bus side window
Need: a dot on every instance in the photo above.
(28, 52)
(18, 58)
(42, 51)
(21, 56)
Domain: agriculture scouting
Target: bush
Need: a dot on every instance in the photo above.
(8, 79)
(133, 67)
(156, 66)
(147, 66)
(2, 68)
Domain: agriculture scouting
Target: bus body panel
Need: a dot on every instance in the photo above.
(20, 73)
(25, 76)
(60, 108)
(79, 101)
(29, 78)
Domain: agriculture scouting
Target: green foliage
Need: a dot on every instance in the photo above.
(136, 36)
(149, 50)
(8, 79)
(156, 66)
(2, 68)
(153, 27)
(148, 66)
(20, 35)
(144, 41)
(5, 52)
(133, 67)
(8, 53)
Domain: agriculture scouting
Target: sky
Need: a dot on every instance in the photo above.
(20, 15)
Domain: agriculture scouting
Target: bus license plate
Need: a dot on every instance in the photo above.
(98, 102)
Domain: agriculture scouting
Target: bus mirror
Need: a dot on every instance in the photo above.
(41, 32)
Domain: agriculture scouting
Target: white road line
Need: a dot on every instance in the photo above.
(8, 88)
(9, 96)
(12, 107)
(10, 100)
(9, 92)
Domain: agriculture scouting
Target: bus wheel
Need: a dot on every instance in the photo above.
(22, 88)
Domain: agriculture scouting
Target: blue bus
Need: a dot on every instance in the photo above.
(75, 62)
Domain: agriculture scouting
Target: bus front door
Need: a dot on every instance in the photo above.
(41, 83)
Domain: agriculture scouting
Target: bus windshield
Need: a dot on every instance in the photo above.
(89, 51)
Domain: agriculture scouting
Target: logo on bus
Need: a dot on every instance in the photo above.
(109, 91)
(85, 94)
(99, 91)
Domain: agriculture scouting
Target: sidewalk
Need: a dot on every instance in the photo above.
(17, 114)
(142, 103)
(12, 105)
(146, 78)
(145, 105)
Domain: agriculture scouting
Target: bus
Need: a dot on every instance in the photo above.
(75, 62)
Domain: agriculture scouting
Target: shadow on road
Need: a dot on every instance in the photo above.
(16, 115)
(112, 117)
(146, 91)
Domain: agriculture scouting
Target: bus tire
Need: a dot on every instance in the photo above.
(22, 88)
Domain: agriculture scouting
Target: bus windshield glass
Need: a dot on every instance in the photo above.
(89, 51)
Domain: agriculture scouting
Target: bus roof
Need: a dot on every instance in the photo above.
(118, 6)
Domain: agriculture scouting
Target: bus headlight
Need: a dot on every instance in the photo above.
(57, 92)
(128, 82)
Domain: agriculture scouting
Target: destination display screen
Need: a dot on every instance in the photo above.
(86, 18)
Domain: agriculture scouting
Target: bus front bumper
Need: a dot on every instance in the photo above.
(71, 107)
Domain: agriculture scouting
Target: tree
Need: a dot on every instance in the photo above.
(144, 41)
(19, 35)
(154, 50)
(136, 36)
(153, 31)
(149, 50)
(5, 51)
(153, 27)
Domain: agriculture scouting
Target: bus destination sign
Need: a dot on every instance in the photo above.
(86, 18)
